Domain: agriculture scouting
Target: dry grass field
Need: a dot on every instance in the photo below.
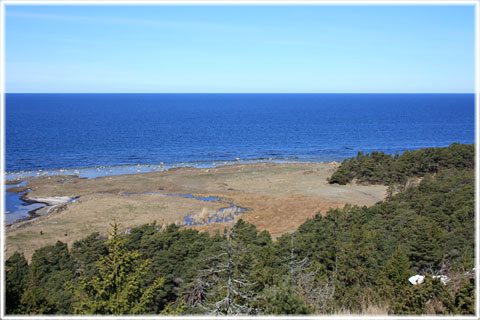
(278, 198)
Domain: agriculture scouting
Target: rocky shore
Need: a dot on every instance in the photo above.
(50, 203)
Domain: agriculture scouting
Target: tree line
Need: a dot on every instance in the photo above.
(383, 168)
(351, 260)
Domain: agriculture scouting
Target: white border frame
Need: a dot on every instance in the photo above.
(241, 2)
(474, 3)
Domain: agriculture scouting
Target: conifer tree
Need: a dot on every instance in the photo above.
(118, 286)
(394, 277)
(224, 286)
(45, 293)
(35, 299)
(465, 297)
(397, 270)
(356, 267)
(16, 270)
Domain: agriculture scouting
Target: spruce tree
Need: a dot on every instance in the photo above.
(224, 286)
(394, 277)
(16, 270)
(118, 287)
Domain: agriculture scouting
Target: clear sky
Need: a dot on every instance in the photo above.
(239, 48)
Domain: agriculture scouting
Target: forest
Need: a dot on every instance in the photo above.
(383, 168)
(353, 260)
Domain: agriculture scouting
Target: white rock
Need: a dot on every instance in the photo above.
(416, 279)
(52, 200)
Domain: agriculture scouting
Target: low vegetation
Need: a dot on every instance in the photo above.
(351, 260)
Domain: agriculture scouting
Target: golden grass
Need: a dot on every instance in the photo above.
(95, 213)
(279, 197)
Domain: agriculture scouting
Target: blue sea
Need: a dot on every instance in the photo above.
(53, 131)
(95, 135)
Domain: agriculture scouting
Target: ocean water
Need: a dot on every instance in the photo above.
(93, 135)
(53, 131)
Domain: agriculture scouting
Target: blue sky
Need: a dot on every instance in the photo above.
(239, 48)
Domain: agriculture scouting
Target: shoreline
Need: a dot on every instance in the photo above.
(49, 206)
(21, 178)
(277, 197)
(120, 169)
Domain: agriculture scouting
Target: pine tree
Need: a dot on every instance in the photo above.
(283, 300)
(356, 268)
(224, 287)
(118, 287)
(35, 299)
(16, 270)
(45, 293)
(394, 277)
(397, 270)
(465, 297)
(314, 290)
(427, 244)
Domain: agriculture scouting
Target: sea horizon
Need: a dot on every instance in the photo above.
(82, 130)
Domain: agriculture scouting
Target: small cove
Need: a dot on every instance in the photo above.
(16, 209)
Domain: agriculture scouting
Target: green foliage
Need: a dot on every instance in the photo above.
(393, 281)
(426, 244)
(117, 289)
(178, 310)
(395, 273)
(87, 251)
(356, 267)
(51, 267)
(173, 253)
(431, 295)
(434, 223)
(283, 300)
(465, 297)
(16, 270)
(36, 299)
(379, 167)
(225, 284)
(347, 260)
